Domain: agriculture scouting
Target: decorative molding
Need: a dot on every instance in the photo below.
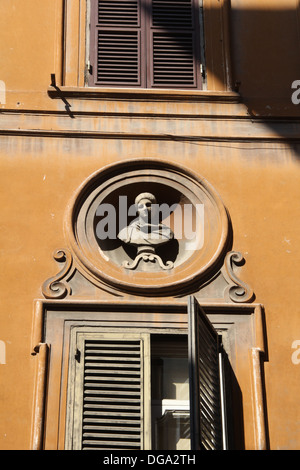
(73, 134)
(91, 266)
(148, 257)
(59, 287)
(37, 431)
(260, 434)
(238, 290)
(149, 93)
(161, 123)
(56, 287)
(173, 185)
(75, 41)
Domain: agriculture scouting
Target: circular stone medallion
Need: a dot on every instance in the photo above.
(120, 245)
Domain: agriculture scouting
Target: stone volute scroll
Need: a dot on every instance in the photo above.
(57, 287)
(147, 228)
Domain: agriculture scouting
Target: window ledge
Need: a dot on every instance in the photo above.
(142, 94)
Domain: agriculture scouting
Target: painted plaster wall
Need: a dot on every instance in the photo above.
(258, 180)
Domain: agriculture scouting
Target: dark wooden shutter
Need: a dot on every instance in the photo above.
(116, 37)
(174, 44)
(145, 43)
(205, 386)
(112, 396)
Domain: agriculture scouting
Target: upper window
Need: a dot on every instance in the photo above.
(145, 43)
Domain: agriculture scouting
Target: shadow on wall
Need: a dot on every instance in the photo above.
(265, 45)
(265, 61)
(265, 58)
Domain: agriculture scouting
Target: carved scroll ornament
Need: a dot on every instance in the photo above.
(238, 290)
(146, 258)
(57, 287)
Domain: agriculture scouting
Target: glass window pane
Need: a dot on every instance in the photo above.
(170, 393)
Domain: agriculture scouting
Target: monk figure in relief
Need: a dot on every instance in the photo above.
(146, 232)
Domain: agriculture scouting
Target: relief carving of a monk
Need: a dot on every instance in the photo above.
(146, 232)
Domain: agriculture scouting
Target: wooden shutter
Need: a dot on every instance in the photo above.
(111, 378)
(145, 43)
(174, 44)
(205, 384)
(116, 41)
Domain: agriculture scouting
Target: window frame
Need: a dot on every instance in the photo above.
(145, 30)
(71, 67)
(54, 320)
(199, 439)
(75, 394)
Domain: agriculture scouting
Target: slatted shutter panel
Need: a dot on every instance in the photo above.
(109, 404)
(174, 44)
(145, 43)
(116, 25)
(205, 384)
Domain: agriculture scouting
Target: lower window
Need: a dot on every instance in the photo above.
(142, 390)
(170, 405)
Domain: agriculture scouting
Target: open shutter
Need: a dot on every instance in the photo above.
(174, 44)
(116, 42)
(111, 375)
(205, 383)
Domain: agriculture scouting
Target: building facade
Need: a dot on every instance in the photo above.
(149, 213)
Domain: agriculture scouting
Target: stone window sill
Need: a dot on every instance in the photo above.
(143, 94)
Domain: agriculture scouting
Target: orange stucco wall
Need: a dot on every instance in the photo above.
(253, 164)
